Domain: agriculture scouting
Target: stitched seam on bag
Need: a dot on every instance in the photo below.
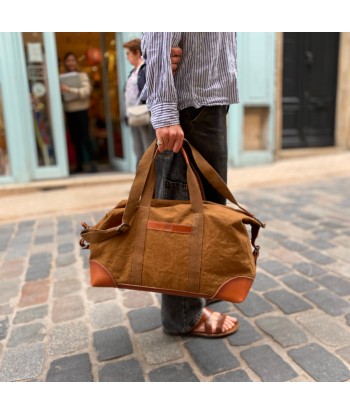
(230, 280)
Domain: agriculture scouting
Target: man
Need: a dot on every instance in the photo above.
(192, 103)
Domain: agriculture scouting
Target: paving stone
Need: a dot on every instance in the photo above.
(34, 292)
(263, 283)
(282, 330)
(29, 333)
(274, 267)
(38, 272)
(344, 353)
(340, 267)
(12, 269)
(325, 234)
(348, 319)
(67, 308)
(274, 235)
(5, 309)
(211, 357)
(342, 240)
(67, 273)
(9, 289)
(112, 343)
(66, 287)
(329, 302)
(30, 314)
(318, 257)
(268, 364)
(65, 248)
(106, 314)
(303, 224)
(145, 319)
(324, 328)
(299, 283)
(336, 284)
(179, 372)
(322, 365)
(124, 371)
(245, 335)
(293, 246)
(233, 376)
(23, 362)
(310, 269)
(43, 239)
(287, 302)
(158, 347)
(40, 258)
(100, 294)
(65, 259)
(68, 338)
(136, 299)
(320, 243)
(70, 369)
(254, 305)
(4, 325)
(221, 306)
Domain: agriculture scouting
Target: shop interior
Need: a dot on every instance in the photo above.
(97, 56)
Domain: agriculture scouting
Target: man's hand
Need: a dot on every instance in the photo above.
(175, 57)
(170, 138)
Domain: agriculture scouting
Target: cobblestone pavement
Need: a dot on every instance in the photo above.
(294, 323)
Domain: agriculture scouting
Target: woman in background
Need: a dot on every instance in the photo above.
(142, 135)
(76, 105)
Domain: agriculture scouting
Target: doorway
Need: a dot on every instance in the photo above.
(310, 67)
(97, 57)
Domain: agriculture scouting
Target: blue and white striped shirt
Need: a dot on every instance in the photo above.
(206, 75)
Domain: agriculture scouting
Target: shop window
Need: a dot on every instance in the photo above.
(4, 158)
(39, 95)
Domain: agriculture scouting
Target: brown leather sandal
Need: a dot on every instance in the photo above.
(205, 318)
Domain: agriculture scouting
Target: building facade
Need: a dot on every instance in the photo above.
(294, 99)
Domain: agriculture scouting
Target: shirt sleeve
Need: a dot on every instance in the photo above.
(161, 92)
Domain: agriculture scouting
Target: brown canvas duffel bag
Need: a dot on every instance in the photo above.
(192, 248)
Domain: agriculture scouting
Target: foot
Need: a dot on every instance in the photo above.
(215, 324)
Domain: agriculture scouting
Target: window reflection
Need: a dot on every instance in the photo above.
(39, 94)
(4, 159)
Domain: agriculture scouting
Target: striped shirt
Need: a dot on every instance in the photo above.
(206, 75)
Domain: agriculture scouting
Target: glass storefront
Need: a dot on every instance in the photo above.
(4, 158)
(97, 57)
(34, 50)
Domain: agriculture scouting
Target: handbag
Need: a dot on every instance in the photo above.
(181, 247)
(138, 115)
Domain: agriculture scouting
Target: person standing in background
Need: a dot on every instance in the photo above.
(76, 110)
(142, 135)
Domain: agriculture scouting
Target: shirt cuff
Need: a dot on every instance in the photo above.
(164, 114)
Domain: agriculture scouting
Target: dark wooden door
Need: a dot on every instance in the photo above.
(310, 65)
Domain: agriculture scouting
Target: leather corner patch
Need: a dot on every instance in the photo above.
(100, 276)
(234, 290)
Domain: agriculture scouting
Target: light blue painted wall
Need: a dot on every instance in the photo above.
(256, 80)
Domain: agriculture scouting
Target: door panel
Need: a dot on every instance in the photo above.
(309, 89)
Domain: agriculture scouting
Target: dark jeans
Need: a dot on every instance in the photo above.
(205, 129)
(78, 127)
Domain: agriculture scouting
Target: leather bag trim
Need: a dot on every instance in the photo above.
(100, 276)
(169, 227)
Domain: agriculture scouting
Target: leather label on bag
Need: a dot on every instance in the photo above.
(169, 227)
